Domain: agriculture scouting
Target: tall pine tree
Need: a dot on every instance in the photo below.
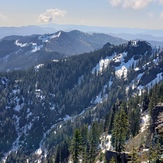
(120, 130)
(76, 146)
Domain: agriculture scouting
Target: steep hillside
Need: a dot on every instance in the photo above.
(22, 52)
(40, 104)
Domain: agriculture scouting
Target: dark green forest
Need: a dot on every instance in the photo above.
(34, 104)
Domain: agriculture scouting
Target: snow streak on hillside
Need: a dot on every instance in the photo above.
(47, 38)
(121, 70)
(101, 66)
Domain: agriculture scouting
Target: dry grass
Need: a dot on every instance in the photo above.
(137, 141)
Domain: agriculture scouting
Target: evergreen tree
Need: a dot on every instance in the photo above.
(134, 156)
(120, 130)
(153, 99)
(94, 135)
(58, 155)
(85, 139)
(155, 153)
(76, 146)
(86, 153)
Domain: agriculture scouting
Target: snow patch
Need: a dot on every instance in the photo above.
(122, 72)
(36, 47)
(134, 43)
(110, 83)
(119, 57)
(52, 108)
(105, 144)
(145, 122)
(156, 61)
(15, 91)
(29, 115)
(80, 79)
(67, 118)
(101, 66)
(38, 93)
(124, 66)
(98, 99)
(137, 69)
(38, 151)
(56, 35)
(20, 44)
(46, 38)
(127, 89)
(55, 60)
(38, 67)
(139, 76)
(53, 95)
(103, 94)
(17, 108)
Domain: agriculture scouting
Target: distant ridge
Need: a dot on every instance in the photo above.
(22, 52)
(50, 28)
(24, 30)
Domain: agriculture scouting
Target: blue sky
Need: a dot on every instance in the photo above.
(110, 13)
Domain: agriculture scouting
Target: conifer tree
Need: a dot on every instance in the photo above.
(134, 156)
(76, 146)
(58, 154)
(155, 153)
(120, 130)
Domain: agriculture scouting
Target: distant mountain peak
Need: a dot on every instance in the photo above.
(48, 46)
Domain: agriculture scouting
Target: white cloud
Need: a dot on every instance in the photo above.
(135, 4)
(161, 15)
(150, 14)
(51, 14)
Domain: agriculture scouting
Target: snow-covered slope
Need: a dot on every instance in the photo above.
(132, 60)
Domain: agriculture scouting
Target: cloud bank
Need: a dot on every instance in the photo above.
(51, 14)
(135, 4)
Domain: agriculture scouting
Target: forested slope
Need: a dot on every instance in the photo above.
(42, 106)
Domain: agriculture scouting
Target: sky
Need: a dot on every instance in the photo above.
(147, 14)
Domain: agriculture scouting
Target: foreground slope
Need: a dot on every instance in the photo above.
(39, 104)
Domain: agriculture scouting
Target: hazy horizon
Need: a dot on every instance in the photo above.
(142, 14)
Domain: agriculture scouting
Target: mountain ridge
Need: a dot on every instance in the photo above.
(22, 52)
